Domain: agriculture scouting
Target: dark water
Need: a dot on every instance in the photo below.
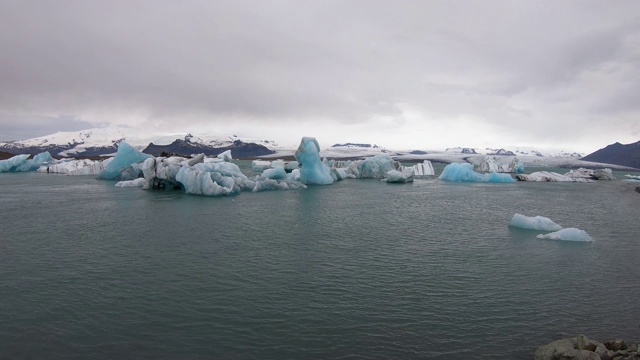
(360, 270)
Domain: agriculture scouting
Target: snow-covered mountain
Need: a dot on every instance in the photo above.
(104, 141)
(515, 151)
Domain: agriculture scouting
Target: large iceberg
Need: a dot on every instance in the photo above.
(312, 170)
(534, 223)
(568, 234)
(495, 164)
(22, 163)
(377, 166)
(464, 173)
(550, 176)
(121, 167)
(76, 167)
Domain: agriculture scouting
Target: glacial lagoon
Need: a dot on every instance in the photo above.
(358, 269)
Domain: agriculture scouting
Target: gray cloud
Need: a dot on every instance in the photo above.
(532, 71)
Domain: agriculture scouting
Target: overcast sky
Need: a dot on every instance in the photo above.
(401, 74)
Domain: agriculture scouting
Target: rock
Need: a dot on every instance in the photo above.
(604, 353)
(554, 349)
(584, 343)
(638, 189)
(615, 345)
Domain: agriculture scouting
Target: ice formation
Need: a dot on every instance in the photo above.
(632, 177)
(22, 163)
(568, 234)
(534, 223)
(76, 167)
(423, 169)
(377, 166)
(395, 176)
(124, 164)
(598, 174)
(550, 177)
(312, 170)
(225, 156)
(139, 182)
(464, 173)
(495, 164)
(260, 165)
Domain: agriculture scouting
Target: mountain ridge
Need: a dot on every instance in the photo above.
(617, 153)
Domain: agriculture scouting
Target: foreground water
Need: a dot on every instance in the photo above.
(360, 269)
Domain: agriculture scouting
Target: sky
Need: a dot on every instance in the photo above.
(400, 74)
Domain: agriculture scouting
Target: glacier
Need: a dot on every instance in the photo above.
(312, 170)
(456, 172)
(568, 234)
(534, 223)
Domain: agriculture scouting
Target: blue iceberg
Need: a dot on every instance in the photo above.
(21, 163)
(534, 223)
(376, 167)
(120, 168)
(464, 173)
(312, 170)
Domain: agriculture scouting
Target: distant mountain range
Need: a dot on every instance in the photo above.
(104, 141)
(619, 154)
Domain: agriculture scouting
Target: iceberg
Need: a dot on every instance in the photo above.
(13, 164)
(21, 163)
(424, 169)
(260, 165)
(139, 182)
(569, 234)
(312, 170)
(76, 167)
(277, 173)
(493, 164)
(395, 176)
(456, 172)
(120, 168)
(632, 178)
(377, 166)
(534, 223)
(225, 156)
(549, 176)
(598, 174)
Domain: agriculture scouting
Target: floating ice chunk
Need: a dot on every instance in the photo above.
(395, 176)
(312, 170)
(498, 164)
(632, 177)
(550, 177)
(225, 156)
(464, 173)
(76, 167)
(201, 182)
(260, 165)
(14, 163)
(120, 167)
(424, 169)
(534, 223)
(139, 182)
(277, 173)
(569, 234)
(377, 166)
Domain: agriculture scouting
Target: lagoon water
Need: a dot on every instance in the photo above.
(357, 270)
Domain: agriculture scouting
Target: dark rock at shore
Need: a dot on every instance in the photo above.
(638, 189)
(583, 348)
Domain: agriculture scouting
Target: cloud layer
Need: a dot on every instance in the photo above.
(410, 74)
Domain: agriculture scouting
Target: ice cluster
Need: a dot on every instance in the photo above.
(124, 164)
(534, 223)
(464, 173)
(498, 164)
(22, 163)
(550, 176)
(395, 176)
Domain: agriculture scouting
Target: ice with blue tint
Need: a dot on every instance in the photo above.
(120, 168)
(568, 234)
(21, 163)
(199, 181)
(13, 164)
(277, 173)
(312, 170)
(139, 182)
(376, 167)
(464, 173)
(534, 223)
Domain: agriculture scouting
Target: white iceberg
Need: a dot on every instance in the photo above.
(225, 156)
(312, 170)
(456, 172)
(395, 176)
(423, 169)
(568, 234)
(495, 164)
(549, 176)
(139, 182)
(534, 223)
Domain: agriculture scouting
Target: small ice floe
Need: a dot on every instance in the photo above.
(569, 234)
(534, 223)
(139, 182)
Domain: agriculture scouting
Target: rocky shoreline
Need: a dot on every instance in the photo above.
(583, 348)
